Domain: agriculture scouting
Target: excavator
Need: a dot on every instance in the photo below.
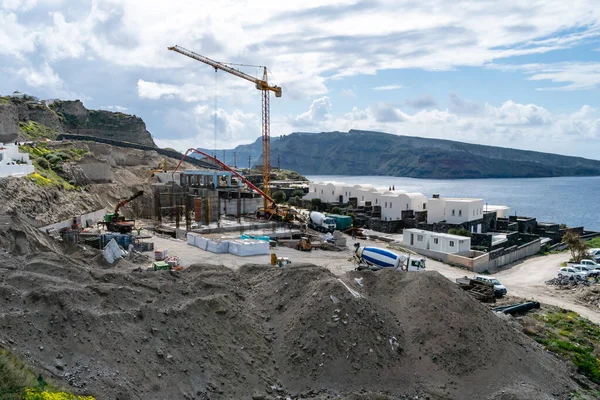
(161, 167)
(117, 223)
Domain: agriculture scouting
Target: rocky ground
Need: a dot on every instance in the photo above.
(209, 332)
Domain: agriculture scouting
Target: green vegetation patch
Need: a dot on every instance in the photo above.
(571, 337)
(35, 131)
(17, 382)
(594, 243)
(4, 100)
(49, 164)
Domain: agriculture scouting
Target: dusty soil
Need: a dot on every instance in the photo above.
(210, 332)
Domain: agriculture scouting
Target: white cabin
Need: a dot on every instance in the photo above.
(442, 242)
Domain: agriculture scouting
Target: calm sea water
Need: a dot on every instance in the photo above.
(574, 201)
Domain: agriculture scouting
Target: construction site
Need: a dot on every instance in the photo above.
(147, 276)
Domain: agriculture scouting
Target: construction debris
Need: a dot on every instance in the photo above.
(482, 291)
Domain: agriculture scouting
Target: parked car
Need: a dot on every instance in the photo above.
(499, 289)
(570, 272)
(595, 254)
(589, 270)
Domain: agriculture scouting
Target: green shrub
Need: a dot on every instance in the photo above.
(298, 193)
(459, 232)
(279, 196)
(43, 163)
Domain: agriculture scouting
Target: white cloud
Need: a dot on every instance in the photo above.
(44, 76)
(186, 92)
(195, 127)
(569, 75)
(18, 5)
(317, 113)
(114, 108)
(15, 38)
(388, 87)
(306, 44)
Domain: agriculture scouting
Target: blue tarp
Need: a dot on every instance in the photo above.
(263, 238)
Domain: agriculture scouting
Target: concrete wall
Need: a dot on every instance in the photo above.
(479, 262)
(515, 253)
(247, 205)
(474, 261)
(95, 216)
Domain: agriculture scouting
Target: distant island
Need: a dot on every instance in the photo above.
(376, 153)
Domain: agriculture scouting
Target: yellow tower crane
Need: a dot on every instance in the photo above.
(261, 84)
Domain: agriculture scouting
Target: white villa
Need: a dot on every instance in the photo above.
(454, 210)
(442, 242)
(13, 163)
(392, 202)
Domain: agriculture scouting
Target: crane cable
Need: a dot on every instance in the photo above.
(216, 111)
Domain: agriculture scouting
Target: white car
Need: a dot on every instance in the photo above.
(568, 272)
(594, 253)
(499, 289)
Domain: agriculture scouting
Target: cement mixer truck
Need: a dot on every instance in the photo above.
(320, 222)
(376, 258)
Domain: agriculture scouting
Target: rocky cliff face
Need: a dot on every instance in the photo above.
(112, 125)
(18, 115)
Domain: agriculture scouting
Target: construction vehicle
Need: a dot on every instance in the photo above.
(320, 222)
(117, 223)
(161, 167)
(304, 244)
(376, 258)
(260, 84)
(271, 211)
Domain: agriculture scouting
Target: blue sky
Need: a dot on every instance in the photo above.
(500, 73)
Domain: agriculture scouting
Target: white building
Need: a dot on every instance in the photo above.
(435, 241)
(328, 192)
(13, 163)
(454, 210)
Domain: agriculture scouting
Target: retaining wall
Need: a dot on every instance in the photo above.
(164, 152)
(95, 216)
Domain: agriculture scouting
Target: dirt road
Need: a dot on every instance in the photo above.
(525, 279)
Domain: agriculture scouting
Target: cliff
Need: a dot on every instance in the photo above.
(32, 119)
(376, 153)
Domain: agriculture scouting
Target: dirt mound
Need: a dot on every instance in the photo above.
(589, 295)
(209, 332)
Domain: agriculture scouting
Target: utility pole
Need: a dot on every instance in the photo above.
(234, 159)
(278, 166)
(249, 158)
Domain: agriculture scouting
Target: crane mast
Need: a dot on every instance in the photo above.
(260, 84)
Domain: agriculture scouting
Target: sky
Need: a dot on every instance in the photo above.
(505, 73)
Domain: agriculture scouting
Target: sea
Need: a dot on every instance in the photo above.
(574, 201)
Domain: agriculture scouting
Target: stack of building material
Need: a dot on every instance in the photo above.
(245, 248)
(191, 238)
(160, 265)
(217, 246)
(339, 239)
(160, 255)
